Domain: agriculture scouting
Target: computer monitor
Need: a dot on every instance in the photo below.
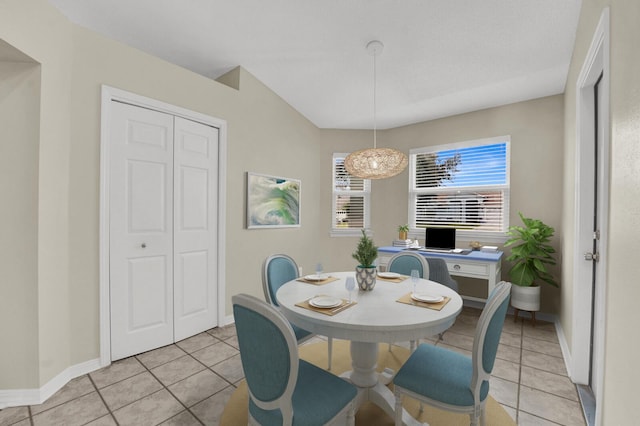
(440, 238)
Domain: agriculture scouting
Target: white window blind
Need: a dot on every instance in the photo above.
(351, 200)
(463, 185)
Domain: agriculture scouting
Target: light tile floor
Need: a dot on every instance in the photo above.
(190, 382)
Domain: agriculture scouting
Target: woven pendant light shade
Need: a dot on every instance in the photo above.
(375, 163)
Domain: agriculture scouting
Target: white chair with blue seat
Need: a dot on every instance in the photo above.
(283, 389)
(452, 381)
(278, 269)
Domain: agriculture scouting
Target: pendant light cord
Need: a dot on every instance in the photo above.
(375, 124)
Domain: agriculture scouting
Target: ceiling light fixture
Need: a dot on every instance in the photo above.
(375, 163)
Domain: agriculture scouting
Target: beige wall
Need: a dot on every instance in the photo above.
(620, 373)
(19, 141)
(536, 134)
(43, 35)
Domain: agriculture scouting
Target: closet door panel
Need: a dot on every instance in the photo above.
(140, 230)
(195, 233)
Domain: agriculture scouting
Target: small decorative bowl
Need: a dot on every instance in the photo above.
(475, 245)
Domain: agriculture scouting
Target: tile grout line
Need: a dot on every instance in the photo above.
(30, 415)
(169, 390)
(103, 401)
(519, 373)
(190, 354)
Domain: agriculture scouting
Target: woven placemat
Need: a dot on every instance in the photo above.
(436, 306)
(327, 311)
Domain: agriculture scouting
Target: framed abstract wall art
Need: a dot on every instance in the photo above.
(272, 202)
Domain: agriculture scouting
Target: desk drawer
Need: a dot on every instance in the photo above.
(468, 269)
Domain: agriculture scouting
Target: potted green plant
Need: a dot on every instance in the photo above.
(366, 254)
(403, 231)
(531, 253)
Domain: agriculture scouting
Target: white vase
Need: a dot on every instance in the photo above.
(525, 298)
(366, 277)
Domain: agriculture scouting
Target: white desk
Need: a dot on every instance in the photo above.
(376, 318)
(476, 264)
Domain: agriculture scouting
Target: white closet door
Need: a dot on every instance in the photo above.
(141, 230)
(195, 227)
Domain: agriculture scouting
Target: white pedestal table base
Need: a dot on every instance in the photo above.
(371, 384)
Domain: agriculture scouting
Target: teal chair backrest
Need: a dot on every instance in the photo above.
(264, 351)
(494, 329)
(278, 269)
(405, 263)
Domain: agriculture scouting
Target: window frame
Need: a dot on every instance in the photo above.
(365, 193)
(461, 234)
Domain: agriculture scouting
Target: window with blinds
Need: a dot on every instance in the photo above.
(463, 185)
(351, 200)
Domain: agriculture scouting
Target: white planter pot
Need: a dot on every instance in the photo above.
(366, 277)
(525, 298)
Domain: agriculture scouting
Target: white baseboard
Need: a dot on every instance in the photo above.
(229, 320)
(564, 347)
(18, 397)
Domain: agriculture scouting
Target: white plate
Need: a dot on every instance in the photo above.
(325, 302)
(388, 275)
(316, 277)
(427, 298)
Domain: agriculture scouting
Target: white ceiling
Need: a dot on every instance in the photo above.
(441, 57)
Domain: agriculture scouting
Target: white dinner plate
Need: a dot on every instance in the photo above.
(388, 275)
(325, 302)
(316, 277)
(427, 298)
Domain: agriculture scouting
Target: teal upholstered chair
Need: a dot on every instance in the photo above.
(283, 389)
(449, 380)
(278, 269)
(405, 261)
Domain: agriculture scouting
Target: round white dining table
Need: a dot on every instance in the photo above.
(376, 317)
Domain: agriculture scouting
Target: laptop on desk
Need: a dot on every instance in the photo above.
(440, 240)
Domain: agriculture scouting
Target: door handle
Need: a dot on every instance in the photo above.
(592, 256)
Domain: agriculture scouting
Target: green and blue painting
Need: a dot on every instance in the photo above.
(273, 201)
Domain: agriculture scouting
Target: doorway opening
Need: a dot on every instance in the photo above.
(591, 231)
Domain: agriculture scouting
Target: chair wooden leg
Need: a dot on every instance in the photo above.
(351, 416)
(474, 420)
(330, 347)
(398, 409)
(533, 318)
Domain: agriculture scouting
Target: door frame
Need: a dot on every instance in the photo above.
(596, 63)
(110, 94)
